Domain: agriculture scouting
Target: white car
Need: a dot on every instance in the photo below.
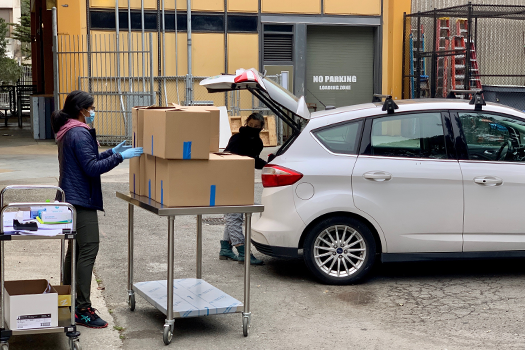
(423, 179)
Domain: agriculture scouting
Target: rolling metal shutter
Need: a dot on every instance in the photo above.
(339, 65)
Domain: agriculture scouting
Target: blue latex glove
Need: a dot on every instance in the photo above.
(121, 147)
(132, 152)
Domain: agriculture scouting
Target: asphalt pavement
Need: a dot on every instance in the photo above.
(445, 305)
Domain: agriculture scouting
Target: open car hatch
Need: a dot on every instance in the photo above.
(280, 101)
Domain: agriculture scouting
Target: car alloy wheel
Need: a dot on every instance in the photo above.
(339, 250)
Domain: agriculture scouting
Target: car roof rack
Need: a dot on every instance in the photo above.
(477, 97)
(389, 106)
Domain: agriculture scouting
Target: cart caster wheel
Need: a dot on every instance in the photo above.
(245, 325)
(74, 344)
(131, 302)
(167, 335)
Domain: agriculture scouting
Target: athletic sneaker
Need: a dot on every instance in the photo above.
(89, 318)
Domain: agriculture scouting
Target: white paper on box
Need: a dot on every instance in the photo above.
(225, 130)
(33, 321)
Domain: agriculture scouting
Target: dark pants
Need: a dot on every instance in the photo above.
(87, 249)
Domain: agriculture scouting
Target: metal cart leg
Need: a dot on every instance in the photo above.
(62, 257)
(73, 336)
(4, 336)
(170, 322)
(131, 293)
(247, 315)
(2, 277)
(199, 246)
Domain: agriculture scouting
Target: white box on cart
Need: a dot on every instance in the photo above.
(28, 307)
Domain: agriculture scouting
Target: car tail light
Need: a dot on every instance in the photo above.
(275, 176)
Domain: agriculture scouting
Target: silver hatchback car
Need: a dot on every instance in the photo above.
(403, 181)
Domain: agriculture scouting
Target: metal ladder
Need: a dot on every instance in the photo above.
(418, 46)
(459, 60)
(442, 44)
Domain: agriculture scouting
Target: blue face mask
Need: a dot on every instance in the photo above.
(91, 118)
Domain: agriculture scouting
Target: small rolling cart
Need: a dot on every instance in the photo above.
(189, 297)
(66, 326)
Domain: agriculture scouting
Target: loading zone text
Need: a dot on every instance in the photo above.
(335, 79)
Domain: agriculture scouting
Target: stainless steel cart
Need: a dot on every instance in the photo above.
(189, 297)
(67, 234)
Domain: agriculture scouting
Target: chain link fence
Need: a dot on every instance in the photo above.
(118, 71)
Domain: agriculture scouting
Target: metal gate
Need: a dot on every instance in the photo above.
(116, 69)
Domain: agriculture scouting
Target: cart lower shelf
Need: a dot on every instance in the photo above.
(62, 327)
(191, 298)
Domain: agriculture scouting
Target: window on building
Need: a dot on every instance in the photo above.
(278, 43)
(7, 15)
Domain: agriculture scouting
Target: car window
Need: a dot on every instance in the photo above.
(341, 138)
(492, 137)
(417, 135)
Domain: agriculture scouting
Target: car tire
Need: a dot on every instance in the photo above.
(339, 250)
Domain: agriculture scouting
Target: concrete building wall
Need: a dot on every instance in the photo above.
(216, 52)
(10, 10)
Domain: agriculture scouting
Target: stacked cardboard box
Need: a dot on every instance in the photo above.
(181, 165)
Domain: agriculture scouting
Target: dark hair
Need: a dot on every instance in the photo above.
(256, 116)
(75, 102)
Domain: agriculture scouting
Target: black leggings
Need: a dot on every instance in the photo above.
(87, 249)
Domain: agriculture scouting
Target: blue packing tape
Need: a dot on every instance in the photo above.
(149, 188)
(213, 190)
(161, 192)
(186, 150)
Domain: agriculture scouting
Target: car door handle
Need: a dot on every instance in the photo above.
(488, 181)
(377, 176)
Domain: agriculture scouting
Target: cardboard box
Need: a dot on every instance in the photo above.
(64, 295)
(64, 316)
(178, 133)
(135, 165)
(148, 172)
(138, 115)
(215, 128)
(27, 307)
(215, 119)
(224, 179)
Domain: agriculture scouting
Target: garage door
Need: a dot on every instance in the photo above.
(339, 65)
